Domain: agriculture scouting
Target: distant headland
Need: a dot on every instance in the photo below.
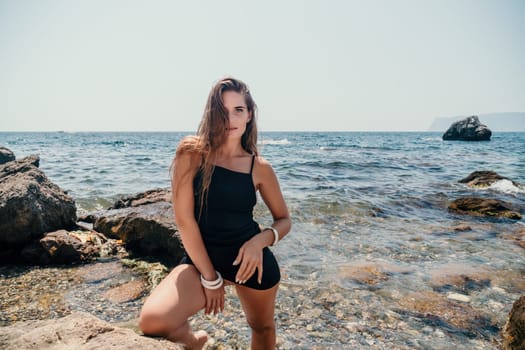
(511, 121)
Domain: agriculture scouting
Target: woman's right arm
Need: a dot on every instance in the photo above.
(185, 168)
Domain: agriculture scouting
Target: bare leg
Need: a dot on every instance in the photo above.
(259, 307)
(166, 311)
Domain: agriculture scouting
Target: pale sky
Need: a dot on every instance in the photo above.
(311, 65)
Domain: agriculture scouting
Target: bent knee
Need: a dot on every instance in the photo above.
(151, 324)
(262, 327)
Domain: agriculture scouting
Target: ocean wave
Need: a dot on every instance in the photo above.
(114, 143)
(275, 142)
(506, 186)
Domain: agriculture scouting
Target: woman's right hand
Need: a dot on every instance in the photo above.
(214, 300)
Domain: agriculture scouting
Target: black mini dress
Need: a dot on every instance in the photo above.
(226, 223)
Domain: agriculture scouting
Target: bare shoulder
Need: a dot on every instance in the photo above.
(263, 165)
(187, 156)
(264, 174)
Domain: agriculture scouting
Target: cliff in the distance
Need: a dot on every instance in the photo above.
(495, 121)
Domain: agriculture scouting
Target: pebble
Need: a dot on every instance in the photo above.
(311, 316)
(458, 297)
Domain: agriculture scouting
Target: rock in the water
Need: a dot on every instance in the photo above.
(77, 331)
(129, 291)
(146, 230)
(450, 315)
(462, 228)
(368, 273)
(518, 237)
(468, 129)
(152, 196)
(484, 207)
(30, 204)
(484, 179)
(514, 331)
(6, 155)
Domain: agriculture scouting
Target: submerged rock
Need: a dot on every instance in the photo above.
(6, 155)
(460, 278)
(128, 291)
(468, 129)
(30, 204)
(77, 331)
(484, 207)
(517, 237)
(369, 273)
(484, 178)
(514, 331)
(456, 317)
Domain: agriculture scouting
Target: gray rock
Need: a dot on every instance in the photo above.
(6, 155)
(152, 196)
(30, 204)
(146, 230)
(80, 331)
(514, 331)
(468, 129)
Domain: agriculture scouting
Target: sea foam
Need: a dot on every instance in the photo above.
(275, 142)
(506, 186)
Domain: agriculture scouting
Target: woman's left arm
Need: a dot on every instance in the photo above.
(250, 254)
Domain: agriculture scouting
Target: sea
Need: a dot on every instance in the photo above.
(370, 225)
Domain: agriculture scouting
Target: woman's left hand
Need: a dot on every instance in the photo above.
(251, 258)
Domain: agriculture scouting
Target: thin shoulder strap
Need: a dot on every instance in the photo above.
(253, 161)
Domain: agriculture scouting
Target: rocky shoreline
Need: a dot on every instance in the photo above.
(39, 228)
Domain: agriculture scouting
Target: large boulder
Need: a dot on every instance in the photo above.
(6, 155)
(468, 129)
(484, 207)
(146, 226)
(80, 331)
(30, 204)
(514, 330)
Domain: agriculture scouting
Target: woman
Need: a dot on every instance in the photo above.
(215, 176)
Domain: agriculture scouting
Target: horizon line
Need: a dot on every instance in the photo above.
(193, 131)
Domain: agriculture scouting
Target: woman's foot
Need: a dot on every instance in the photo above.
(200, 339)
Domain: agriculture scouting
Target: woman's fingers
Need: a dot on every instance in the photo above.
(260, 272)
(214, 301)
(238, 259)
(250, 257)
(246, 271)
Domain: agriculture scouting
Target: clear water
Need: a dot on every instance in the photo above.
(357, 199)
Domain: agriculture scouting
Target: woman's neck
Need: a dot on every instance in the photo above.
(231, 149)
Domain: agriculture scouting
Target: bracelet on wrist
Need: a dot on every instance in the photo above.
(216, 284)
(275, 234)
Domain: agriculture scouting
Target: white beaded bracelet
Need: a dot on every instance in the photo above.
(275, 234)
(212, 284)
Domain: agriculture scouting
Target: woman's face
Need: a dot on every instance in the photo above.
(238, 114)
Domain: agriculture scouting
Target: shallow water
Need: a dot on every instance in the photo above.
(372, 250)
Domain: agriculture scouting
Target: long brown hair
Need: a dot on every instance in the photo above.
(211, 133)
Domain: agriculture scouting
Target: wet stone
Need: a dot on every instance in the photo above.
(128, 291)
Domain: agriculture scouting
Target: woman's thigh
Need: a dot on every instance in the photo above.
(173, 301)
(258, 305)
